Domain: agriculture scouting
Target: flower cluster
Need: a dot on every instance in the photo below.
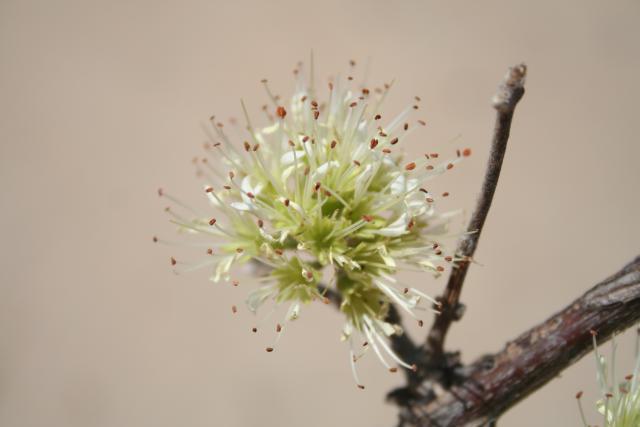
(322, 192)
(620, 402)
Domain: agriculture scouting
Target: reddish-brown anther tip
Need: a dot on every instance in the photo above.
(410, 166)
(269, 349)
(208, 189)
(450, 165)
(173, 261)
(160, 192)
(367, 218)
(155, 239)
(466, 152)
(254, 330)
(394, 141)
(360, 386)
(212, 221)
(579, 395)
(281, 112)
(234, 309)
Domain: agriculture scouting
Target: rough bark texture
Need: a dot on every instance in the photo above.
(482, 391)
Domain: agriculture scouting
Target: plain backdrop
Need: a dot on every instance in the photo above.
(101, 103)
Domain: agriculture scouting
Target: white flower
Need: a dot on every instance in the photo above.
(322, 190)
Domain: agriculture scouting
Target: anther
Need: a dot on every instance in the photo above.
(316, 114)
(367, 218)
(353, 104)
(579, 394)
(450, 166)
(269, 349)
(373, 143)
(210, 251)
(247, 146)
(445, 194)
(260, 223)
(386, 151)
(394, 141)
(286, 202)
(173, 261)
(360, 386)
(155, 239)
(254, 330)
(429, 167)
(410, 166)
(250, 195)
(393, 370)
(377, 117)
(212, 221)
(160, 192)
(466, 152)
(422, 122)
(234, 309)
(406, 126)
(281, 112)
(357, 163)
(420, 323)
(235, 283)
(334, 143)
(278, 327)
(208, 189)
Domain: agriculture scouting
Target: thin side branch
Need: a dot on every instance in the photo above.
(504, 102)
(494, 383)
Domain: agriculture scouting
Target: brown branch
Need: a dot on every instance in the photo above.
(494, 383)
(510, 92)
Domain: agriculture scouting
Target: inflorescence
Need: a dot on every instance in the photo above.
(323, 191)
(619, 401)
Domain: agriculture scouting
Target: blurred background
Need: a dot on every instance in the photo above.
(101, 104)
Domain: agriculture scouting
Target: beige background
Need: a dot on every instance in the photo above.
(101, 104)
